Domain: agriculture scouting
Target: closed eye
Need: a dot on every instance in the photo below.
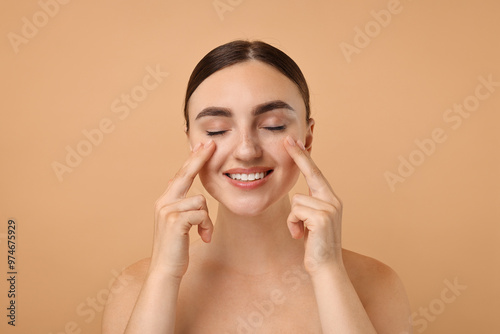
(216, 133)
(275, 128)
(270, 128)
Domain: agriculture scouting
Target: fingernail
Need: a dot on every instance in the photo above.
(196, 147)
(301, 145)
(208, 143)
(290, 141)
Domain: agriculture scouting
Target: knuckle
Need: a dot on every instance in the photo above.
(315, 171)
(204, 215)
(300, 152)
(200, 199)
(332, 209)
(172, 217)
(295, 199)
(165, 214)
(161, 212)
(337, 205)
(158, 205)
(324, 217)
(181, 173)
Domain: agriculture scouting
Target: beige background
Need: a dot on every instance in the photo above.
(439, 225)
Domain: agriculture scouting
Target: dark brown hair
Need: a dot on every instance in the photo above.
(240, 51)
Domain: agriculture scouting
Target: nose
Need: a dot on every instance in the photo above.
(247, 148)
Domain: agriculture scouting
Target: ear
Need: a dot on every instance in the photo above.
(309, 135)
(187, 135)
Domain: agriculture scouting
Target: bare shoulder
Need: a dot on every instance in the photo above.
(365, 271)
(380, 290)
(122, 297)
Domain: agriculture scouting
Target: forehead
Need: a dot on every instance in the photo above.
(242, 86)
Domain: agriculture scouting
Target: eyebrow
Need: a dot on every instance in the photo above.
(258, 110)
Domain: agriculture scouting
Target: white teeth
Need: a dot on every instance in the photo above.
(247, 177)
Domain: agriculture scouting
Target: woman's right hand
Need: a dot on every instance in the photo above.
(175, 214)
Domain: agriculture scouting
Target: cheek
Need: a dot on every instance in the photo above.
(289, 169)
(283, 160)
(194, 138)
(211, 167)
(289, 166)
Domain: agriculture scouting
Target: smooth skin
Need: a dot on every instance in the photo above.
(273, 266)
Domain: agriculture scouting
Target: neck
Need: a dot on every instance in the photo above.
(258, 244)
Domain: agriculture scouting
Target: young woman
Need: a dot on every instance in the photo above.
(273, 264)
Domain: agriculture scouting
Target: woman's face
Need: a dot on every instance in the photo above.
(248, 109)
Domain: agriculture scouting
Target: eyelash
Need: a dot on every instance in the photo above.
(270, 128)
(215, 133)
(276, 128)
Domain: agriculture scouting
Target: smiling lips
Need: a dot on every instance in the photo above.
(248, 178)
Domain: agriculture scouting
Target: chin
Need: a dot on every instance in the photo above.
(247, 206)
(251, 204)
(245, 210)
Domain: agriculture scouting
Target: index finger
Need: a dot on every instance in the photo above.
(183, 179)
(318, 184)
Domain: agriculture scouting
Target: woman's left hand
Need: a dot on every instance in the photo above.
(317, 217)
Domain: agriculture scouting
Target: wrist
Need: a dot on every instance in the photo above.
(327, 272)
(162, 276)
